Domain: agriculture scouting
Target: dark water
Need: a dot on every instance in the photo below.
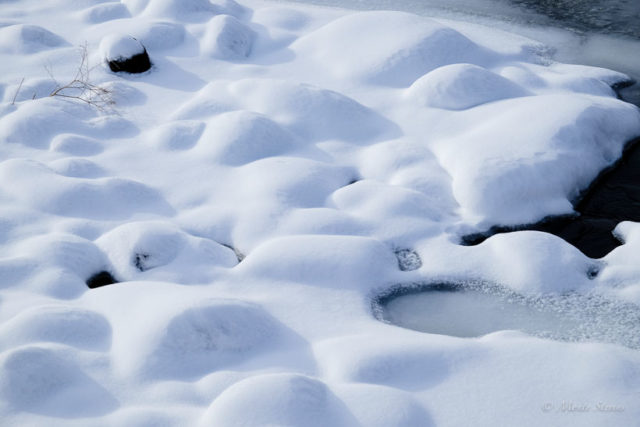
(605, 16)
(612, 198)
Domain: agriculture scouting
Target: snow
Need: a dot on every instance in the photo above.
(116, 47)
(279, 168)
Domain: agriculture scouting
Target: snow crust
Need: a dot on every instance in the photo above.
(279, 167)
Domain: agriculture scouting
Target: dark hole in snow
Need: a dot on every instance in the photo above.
(613, 197)
(103, 278)
(239, 255)
(408, 260)
(476, 309)
(136, 64)
(139, 260)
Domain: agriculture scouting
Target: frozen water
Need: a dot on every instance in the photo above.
(473, 311)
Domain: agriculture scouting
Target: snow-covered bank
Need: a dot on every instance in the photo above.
(254, 190)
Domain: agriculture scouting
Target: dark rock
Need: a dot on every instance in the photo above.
(136, 64)
(102, 278)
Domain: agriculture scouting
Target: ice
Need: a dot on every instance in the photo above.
(249, 200)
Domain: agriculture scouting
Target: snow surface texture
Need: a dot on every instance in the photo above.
(278, 167)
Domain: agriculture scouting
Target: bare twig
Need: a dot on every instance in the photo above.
(13, 101)
(81, 88)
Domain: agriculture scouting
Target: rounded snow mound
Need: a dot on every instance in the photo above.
(182, 10)
(320, 259)
(76, 145)
(161, 35)
(76, 327)
(25, 39)
(312, 112)
(462, 86)
(67, 252)
(278, 399)
(116, 47)
(30, 89)
(177, 135)
(37, 380)
(33, 184)
(241, 137)
(137, 248)
(105, 12)
(124, 53)
(388, 48)
(205, 337)
(227, 38)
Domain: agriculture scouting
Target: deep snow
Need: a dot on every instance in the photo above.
(278, 167)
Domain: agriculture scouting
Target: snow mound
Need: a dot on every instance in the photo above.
(118, 47)
(405, 363)
(144, 250)
(184, 10)
(38, 380)
(380, 406)
(105, 12)
(319, 259)
(70, 326)
(39, 187)
(74, 167)
(200, 339)
(368, 46)
(25, 39)
(278, 399)
(30, 89)
(157, 36)
(73, 254)
(177, 135)
(227, 38)
(241, 137)
(312, 112)
(369, 198)
(518, 255)
(35, 122)
(462, 86)
(76, 145)
(542, 169)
